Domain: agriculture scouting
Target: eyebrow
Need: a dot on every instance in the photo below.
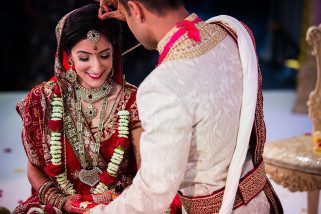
(91, 53)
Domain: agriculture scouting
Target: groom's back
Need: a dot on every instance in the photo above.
(210, 86)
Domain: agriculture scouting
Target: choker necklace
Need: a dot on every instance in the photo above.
(91, 96)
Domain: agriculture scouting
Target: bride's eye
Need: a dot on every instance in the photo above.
(105, 54)
(83, 58)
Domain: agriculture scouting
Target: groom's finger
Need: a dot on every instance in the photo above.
(108, 2)
(102, 10)
(113, 15)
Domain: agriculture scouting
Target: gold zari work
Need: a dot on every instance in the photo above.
(185, 48)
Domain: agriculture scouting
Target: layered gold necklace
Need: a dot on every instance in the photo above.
(91, 96)
(91, 176)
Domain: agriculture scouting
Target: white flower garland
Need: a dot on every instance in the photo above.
(36, 209)
(42, 210)
(65, 184)
(123, 123)
(56, 147)
(115, 161)
(100, 188)
(55, 137)
(118, 155)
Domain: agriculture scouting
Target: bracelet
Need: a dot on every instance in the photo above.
(55, 198)
(43, 189)
(49, 194)
(62, 202)
(103, 198)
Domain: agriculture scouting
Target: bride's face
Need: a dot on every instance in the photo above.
(92, 65)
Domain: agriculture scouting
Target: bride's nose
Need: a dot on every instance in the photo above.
(97, 66)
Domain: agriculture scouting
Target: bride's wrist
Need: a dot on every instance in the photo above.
(50, 194)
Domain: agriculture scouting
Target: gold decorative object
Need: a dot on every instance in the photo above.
(314, 104)
(292, 164)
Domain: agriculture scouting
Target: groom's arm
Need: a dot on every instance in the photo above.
(165, 145)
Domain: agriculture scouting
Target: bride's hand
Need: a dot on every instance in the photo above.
(72, 205)
(105, 13)
(101, 198)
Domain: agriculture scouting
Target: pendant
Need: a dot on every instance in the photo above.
(90, 112)
(89, 177)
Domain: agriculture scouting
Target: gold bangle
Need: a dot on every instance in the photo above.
(43, 190)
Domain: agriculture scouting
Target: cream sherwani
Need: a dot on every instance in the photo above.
(190, 108)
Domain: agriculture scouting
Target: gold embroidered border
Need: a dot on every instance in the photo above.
(185, 48)
(209, 204)
(274, 201)
(250, 185)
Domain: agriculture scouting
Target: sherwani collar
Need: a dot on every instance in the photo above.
(167, 37)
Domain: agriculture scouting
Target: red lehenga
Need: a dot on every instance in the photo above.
(35, 111)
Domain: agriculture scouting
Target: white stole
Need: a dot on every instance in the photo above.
(249, 98)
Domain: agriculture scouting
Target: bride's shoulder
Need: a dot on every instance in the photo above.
(41, 92)
(130, 87)
(32, 100)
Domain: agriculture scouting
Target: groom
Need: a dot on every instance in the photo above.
(201, 109)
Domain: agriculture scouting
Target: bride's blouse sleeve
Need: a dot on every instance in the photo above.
(131, 106)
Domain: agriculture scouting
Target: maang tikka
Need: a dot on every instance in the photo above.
(93, 36)
(71, 74)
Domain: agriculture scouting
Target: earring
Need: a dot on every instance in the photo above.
(71, 74)
(111, 73)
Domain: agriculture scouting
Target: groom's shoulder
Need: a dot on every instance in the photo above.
(166, 74)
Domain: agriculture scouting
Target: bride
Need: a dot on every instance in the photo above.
(81, 129)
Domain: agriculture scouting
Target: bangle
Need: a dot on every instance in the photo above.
(62, 201)
(49, 194)
(43, 189)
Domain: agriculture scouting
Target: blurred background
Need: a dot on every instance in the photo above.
(28, 45)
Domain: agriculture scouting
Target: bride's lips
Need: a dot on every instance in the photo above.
(95, 76)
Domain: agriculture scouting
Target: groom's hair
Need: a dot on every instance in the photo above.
(157, 7)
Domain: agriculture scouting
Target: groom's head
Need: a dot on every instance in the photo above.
(146, 17)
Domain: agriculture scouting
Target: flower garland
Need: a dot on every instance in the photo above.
(118, 155)
(36, 209)
(123, 122)
(45, 209)
(56, 125)
(56, 169)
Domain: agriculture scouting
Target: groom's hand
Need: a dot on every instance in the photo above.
(106, 13)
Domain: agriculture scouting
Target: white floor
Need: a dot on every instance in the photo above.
(14, 186)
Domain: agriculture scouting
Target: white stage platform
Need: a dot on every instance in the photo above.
(14, 186)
